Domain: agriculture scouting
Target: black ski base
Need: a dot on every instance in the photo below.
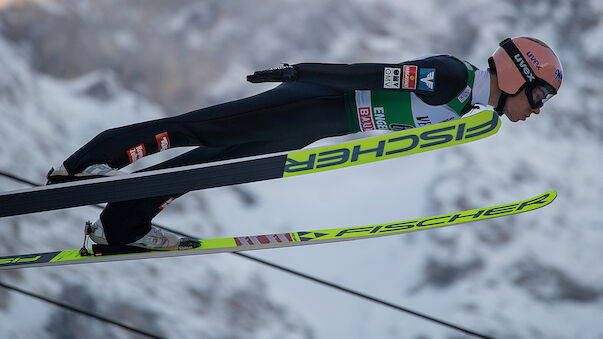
(98, 250)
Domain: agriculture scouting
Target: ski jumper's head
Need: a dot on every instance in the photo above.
(526, 73)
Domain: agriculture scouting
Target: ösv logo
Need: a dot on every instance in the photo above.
(426, 79)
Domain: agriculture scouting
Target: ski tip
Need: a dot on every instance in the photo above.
(549, 196)
(537, 202)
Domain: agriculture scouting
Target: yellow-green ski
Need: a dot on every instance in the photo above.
(393, 145)
(257, 242)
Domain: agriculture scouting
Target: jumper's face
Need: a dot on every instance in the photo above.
(518, 107)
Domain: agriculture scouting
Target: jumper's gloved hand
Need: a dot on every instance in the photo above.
(283, 74)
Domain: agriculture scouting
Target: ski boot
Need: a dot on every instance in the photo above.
(156, 240)
(60, 175)
(159, 239)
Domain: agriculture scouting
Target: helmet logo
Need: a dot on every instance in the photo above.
(524, 66)
(558, 75)
(534, 60)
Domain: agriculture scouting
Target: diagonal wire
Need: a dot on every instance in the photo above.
(305, 276)
(367, 297)
(79, 310)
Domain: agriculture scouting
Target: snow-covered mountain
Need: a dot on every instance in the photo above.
(70, 69)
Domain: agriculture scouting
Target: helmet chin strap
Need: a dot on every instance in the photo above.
(501, 103)
(503, 96)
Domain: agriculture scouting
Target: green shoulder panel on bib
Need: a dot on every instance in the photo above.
(460, 101)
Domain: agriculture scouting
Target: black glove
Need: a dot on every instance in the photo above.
(283, 74)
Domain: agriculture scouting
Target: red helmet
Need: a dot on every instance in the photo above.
(526, 63)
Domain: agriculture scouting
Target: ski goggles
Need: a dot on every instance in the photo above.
(539, 93)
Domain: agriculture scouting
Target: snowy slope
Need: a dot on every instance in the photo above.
(534, 275)
(44, 119)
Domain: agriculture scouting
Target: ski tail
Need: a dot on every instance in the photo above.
(254, 242)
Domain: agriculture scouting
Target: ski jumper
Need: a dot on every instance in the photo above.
(323, 100)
